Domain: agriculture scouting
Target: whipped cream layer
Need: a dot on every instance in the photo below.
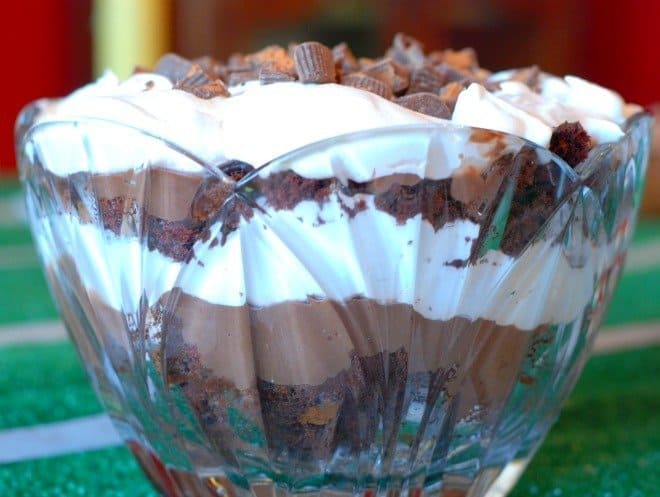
(259, 123)
(289, 255)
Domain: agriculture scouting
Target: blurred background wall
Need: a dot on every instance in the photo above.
(49, 46)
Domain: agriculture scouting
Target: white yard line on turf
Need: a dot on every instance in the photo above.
(12, 210)
(643, 257)
(56, 439)
(18, 257)
(26, 333)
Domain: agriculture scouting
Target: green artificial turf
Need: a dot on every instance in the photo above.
(104, 473)
(607, 440)
(41, 384)
(647, 229)
(605, 444)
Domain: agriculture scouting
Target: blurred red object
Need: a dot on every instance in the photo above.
(46, 51)
(621, 47)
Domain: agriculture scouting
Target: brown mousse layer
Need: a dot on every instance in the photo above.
(317, 375)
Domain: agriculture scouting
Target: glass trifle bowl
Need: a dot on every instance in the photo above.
(393, 311)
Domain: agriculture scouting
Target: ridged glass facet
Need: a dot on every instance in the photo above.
(402, 310)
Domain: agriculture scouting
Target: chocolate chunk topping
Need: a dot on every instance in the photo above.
(273, 55)
(529, 76)
(465, 59)
(570, 142)
(269, 73)
(195, 76)
(405, 70)
(426, 79)
(314, 63)
(345, 61)
(426, 103)
(451, 74)
(407, 50)
(173, 66)
(238, 62)
(364, 82)
(240, 77)
(208, 90)
(190, 77)
(211, 66)
(449, 94)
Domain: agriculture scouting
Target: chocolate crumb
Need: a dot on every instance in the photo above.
(359, 206)
(209, 90)
(345, 61)
(274, 56)
(367, 83)
(464, 59)
(173, 66)
(314, 63)
(529, 76)
(406, 50)
(269, 73)
(425, 79)
(240, 77)
(426, 103)
(195, 76)
(570, 142)
(449, 94)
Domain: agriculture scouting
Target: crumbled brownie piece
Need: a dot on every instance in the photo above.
(211, 195)
(570, 142)
(236, 169)
(112, 213)
(284, 190)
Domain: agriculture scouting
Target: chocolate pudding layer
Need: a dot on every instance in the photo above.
(337, 375)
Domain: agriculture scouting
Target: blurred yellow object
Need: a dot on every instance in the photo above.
(128, 33)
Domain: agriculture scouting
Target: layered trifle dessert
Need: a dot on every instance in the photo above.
(369, 269)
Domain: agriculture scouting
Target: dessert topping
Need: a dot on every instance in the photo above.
(364, 82)
(345, 61)
(425, 79)
(190, 77)
(314, 63)
(426, 103)
(570, 142)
